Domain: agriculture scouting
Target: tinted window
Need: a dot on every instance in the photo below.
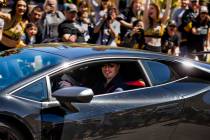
(36, 91)
(91, 76)
(158, 72)
(18, 64)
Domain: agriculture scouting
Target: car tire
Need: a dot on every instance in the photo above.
(10, 132)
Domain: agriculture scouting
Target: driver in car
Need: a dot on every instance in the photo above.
(112, 80)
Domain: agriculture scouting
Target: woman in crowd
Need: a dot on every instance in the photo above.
(85, 19)
(154, 25)
(108, 28)
(128, 16)
(15, 22)
(101, 11)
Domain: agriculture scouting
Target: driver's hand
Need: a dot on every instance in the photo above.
(64, 84)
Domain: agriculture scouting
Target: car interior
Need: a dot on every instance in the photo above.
(87, 75)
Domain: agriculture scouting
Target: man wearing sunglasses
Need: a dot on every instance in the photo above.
(70, 30)
(112, 80)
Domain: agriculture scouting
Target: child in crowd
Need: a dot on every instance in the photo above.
(135, 37)
(30, 33)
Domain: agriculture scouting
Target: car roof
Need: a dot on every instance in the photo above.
(75, 50)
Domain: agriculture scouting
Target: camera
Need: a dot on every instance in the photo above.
(120, 17)
(168, 45)
(3, 3)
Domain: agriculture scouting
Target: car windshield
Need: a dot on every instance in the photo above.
(18, 64)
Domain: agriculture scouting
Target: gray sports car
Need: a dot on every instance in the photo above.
(172, 104)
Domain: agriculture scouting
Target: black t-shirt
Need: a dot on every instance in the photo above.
(169, 42)
(72, 28)
(198, 41)
(188, 17)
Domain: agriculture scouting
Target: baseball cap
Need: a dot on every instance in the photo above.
(171, 23)
(70, 7)
(203, 9)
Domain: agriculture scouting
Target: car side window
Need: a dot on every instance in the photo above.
(131, 76)
(158, 72)
(36, 91)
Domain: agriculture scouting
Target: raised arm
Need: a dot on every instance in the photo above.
(126, 24)
(146, 16)
(167, 12)
(5, 16)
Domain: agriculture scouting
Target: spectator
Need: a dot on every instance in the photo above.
(101, 10)
(154, 25)
(186, 27)
(85, 19)
(129, 15)
(53, 17)
(178, 13)
(200, 32)
(108, 28)
(170, 40)
(29, 36)
(36, 17)
(15, 22)
(36, 14)
(70, 30)
(135, 37)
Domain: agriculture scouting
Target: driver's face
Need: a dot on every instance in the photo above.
(110, 70)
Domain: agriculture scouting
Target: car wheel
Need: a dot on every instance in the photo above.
(9, 132)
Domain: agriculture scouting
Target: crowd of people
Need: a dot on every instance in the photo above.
(141, 24)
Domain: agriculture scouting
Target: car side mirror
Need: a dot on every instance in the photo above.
(73, 94)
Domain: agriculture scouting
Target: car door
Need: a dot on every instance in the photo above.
(194, 120)
(147, 113)
(28, 105)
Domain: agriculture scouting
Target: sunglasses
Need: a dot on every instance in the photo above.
(108, 65)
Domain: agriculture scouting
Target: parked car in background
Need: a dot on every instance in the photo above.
(173, 104)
